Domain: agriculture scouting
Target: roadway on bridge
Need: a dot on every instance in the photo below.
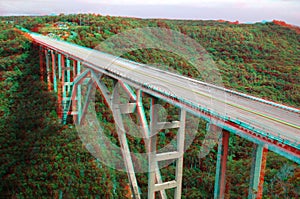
(263, 116)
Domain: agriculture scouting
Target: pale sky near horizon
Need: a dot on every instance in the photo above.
(232, 10)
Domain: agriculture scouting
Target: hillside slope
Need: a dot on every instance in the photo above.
(43, 159)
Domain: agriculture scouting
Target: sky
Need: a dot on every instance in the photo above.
(245, 11)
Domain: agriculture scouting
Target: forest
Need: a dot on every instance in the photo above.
(41, 158)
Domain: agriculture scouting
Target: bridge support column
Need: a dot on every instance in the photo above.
(59, 66)
(48, 70)
(64, 94)
(146, 133)
(68, 82)
(151, 145)
(180, 150)
(155, 182)
(79, 107)
(76, 93)
(54, 71)
(122, 138)
(59, 88)
(149, 134)
(220, 180)
(259, 160)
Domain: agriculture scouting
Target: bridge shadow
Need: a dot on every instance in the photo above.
(28, 119)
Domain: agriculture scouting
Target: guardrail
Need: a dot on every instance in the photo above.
(226, 90)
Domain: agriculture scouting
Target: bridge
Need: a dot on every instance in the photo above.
(268, 125)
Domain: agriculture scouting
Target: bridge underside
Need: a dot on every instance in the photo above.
(74, 83)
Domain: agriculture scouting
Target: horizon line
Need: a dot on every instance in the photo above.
(135, 17)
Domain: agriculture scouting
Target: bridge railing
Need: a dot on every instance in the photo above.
(292, 109)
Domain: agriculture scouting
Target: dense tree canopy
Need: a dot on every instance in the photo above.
(40, 158)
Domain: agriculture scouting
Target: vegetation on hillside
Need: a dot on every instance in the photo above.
(43, 159)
